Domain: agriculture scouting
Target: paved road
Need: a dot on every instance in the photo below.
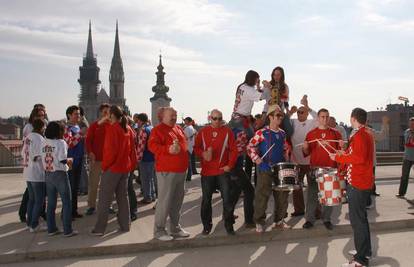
(392, 249)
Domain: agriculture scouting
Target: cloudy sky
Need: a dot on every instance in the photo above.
(341, 54)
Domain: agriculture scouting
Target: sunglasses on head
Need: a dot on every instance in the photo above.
(216, 118)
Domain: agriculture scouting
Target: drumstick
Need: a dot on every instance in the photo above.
(320, 143)
(264, 155)
(335, 141)
(301, 144)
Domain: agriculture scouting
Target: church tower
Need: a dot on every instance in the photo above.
(160, 98)
(89, 81)
(116, 76)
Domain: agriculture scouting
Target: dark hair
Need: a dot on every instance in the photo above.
(117, 112)
(104, 106)
(282, 83)
(360, 115)
(38, 124)
(142, 117)
(70, 110)
(250, 79)
(34, 113)
(54, 130)
(39, 106)
(323, 110)
(81, 111)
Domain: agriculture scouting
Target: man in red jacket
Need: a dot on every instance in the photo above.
(359, 157)
(216, 147)
(94, 142)
(169, 145)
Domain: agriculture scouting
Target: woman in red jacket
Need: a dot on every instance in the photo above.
(119, 159)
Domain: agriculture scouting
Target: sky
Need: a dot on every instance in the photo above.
(342, 54)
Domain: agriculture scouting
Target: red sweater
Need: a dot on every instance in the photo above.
(161, 138)
(215, 137)
(360, 157)
(119, 154)
(95, 138)
(318, 156)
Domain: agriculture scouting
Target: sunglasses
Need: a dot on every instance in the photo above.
(216, 118)
(301, 112)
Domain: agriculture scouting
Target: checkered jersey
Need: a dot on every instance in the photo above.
(141, 143)
(241, 142)
(72, 135)
(252, 150)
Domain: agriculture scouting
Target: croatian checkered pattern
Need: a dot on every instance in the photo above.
(141, 143)
(331, 190)
(241, 142)
(71, 138)
(252, 146)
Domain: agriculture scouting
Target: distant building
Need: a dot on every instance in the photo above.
(10, 152)
(160, 98)
(91, 96)
(9, 131)
(399, 115)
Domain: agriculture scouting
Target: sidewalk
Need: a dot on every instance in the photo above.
(18, 244)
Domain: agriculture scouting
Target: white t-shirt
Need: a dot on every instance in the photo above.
(28, 128)
(190, 132)
(33, 169)
(245, 97)
(300, 130)
(53, 152)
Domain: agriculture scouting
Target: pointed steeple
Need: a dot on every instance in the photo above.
(89, 49)
(160, 89)
(160, 73)
(117, 51)
(116, 75)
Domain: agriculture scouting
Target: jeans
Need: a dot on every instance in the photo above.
(74, 178)
(23, 204)
(193, 163)
(36, 200)
(208, 186)
(359, 221)
(189, 169)
(240, 182)
(312, 203)
(58, 183)
(406, 167)
(132, 197)
(147, 172)
(298, 201)
(84, 177)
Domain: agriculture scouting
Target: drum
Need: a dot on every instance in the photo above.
(332, 188)
(288, 176)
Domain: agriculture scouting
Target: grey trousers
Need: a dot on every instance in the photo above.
(312, 202)
(113, 183)
(170, 200)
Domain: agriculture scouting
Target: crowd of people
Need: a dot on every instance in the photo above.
(72, 157)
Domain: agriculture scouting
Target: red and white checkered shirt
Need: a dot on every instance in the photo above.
(241, 142)
(141, 143)
(72, 138)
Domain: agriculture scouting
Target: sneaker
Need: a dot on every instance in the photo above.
(90, 211)
(230, 230)
(307, 225)
(133, 217)
(180, 234)
(165, 238)
(328, 225)
(354, 252)
(38, 228)
(206, 231)
(73, 233)
(260, 228)
(399, 196)
(352, 263)
(56, 232)
(94, 233)
(281, 226)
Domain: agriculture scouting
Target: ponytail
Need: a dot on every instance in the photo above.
(117, 112)
(124, 122)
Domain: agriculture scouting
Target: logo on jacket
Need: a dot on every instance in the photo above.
(214, 134)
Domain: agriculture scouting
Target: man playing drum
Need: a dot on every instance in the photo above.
(315, 145)
(266, 149)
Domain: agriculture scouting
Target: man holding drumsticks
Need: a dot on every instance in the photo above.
(315, 145)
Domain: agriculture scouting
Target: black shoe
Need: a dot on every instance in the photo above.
(375, 194)
(296, 214)
(230, 231)
(77, 215)
(90, 211)
(307, 225)
(400, 196)
(206, 231)
(328, 225)
(23, 219)
(133, 217)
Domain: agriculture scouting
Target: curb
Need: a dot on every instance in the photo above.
(224, 240)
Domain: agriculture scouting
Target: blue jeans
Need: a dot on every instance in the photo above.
(58, 182)
(189, 169)
(36, 199)
(147, 172)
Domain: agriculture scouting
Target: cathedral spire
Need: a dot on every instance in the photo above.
(89, 49)
(160, 73)
(117, 51)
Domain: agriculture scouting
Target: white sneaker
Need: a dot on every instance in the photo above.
(73, 233)
(38, 228)
(352, 264)
(181, 234)
(165, 238)
(259, 228)
(354, 252)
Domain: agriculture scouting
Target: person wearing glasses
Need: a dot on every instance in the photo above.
(301, 127)
(216, 147)
(319, 158)
(267, 148)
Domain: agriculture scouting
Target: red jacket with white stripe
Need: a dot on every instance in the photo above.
(360, 159)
